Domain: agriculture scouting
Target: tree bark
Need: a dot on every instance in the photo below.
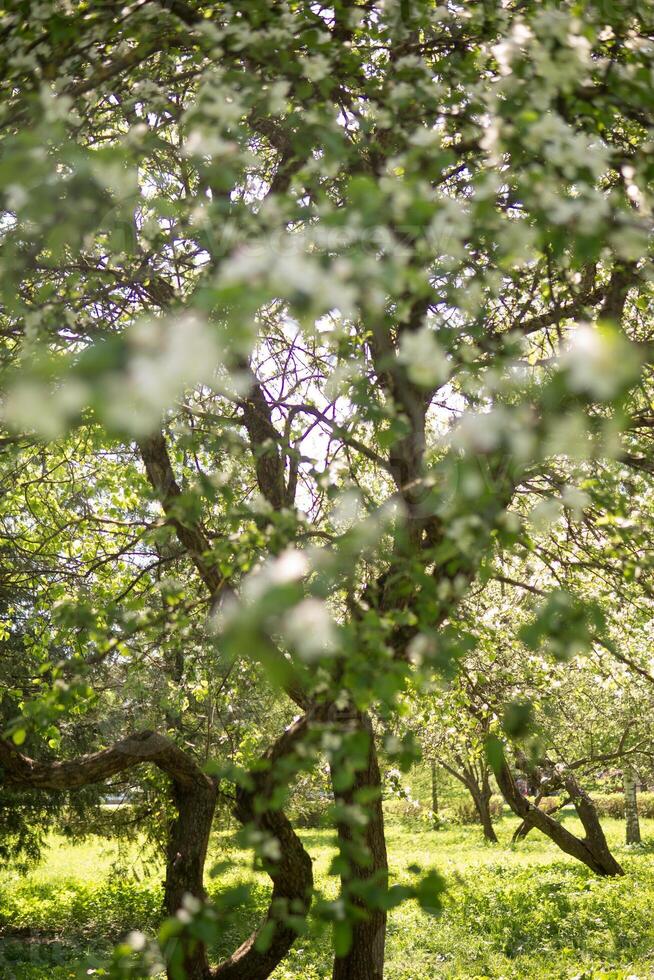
(523, 829)
(481, 797)
(186, 852)
(592, 850)
(366, 864)
(595, 839)
(434, 791)
(478, 785)
(632, 823)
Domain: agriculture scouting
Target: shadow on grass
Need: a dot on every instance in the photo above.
(37, 950)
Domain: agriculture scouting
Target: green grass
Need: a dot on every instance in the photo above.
(523, 912)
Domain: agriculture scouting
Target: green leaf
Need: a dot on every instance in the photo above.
(494, 752)
(342, 937)
(265, 936)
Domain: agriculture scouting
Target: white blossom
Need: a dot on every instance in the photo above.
(426, 362)
(191, 903)
(167, 356)
(568, 435)
(575, 499)
(544, 514)
(425, 137)
(207, 142)
(56, 108)
(310, 629)
(316, 67)
(290, 566)
(33, 406)
(599, 361)
(271, 848)
(277, 96)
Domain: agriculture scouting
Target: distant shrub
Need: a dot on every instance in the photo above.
(311, 813)
(407, 811)
(411, 810)
(609, 804)
(465, 812)
(548, 803)
(311, 800)
(646, 804)
(612, 804)
(497, 806)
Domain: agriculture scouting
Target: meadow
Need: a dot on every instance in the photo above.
(510, 912)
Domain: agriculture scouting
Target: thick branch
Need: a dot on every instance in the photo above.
(20, 770)
(264, 438)
(158, 467)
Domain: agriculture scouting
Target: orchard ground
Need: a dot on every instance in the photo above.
(509, 912)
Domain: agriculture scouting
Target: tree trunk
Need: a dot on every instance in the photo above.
(434, 791)
(595, 839)
(186, 852)
(365, 864)
(478, 785)
(632, 823)
(481, 796)
(592, 851)
(523, 829)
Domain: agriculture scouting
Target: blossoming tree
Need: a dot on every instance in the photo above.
(297, 302)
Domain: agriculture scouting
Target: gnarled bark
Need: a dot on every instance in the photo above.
(595, 839)
(186, 852)
(194, 795)
(154, 453)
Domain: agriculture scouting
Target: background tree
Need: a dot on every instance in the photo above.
(456, 741)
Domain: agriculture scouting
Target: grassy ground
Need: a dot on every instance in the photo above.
(524, 912)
